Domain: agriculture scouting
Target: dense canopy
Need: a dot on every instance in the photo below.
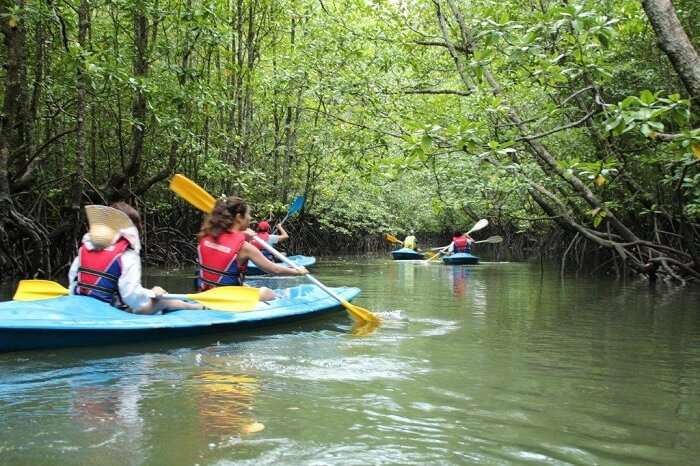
(571, 126)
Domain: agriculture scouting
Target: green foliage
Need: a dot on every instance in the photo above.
(341, 101)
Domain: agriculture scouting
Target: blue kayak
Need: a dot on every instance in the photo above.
(404, 254)
(461, 258)
(84, 321)
(302, 261)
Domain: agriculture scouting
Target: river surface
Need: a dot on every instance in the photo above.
(500, 363)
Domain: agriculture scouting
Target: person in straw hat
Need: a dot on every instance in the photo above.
(108, 265)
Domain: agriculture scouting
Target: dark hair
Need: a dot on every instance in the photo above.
(457, 233)
(223, 216)
(130, 212)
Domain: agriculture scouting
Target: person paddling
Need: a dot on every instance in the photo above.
(263, 232)
(410, 241)
(108, 265)
(224, 249)
(460, 243)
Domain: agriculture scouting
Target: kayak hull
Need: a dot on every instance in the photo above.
(73, 321)
(405, 254)
(461, 258)
(301, 261)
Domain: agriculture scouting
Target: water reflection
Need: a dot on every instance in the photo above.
(491, 364)
(459, 279)
(225, 403)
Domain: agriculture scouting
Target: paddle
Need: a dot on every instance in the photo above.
(491, 239)
(440, 251)
(192, 193)
(358, 313)
(392, 239)
(481, 224)
(195, 195)
(224, 298)
(295, 207)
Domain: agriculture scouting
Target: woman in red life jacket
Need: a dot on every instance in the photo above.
(460, 243)
(263, 232)
(224, 249)
(108, 265)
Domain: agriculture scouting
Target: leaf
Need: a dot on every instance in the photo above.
(425, 142)
(611, 125)
(696, 151)
(603, 39)
(600, 180)
(647, 97)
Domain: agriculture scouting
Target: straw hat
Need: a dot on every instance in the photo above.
(105, 224)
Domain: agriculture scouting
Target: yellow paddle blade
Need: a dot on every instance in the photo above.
(360, 314)
(392, 239)
(192, 193)
(32, 290)
(228, 298)
(363, 329)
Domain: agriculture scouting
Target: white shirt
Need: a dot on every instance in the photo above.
(132, 293)
(273, 239)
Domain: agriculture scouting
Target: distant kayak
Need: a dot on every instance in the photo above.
(83, 321)
(406, 254)
(461, 258)
(301, 261)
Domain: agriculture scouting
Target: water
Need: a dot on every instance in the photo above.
(494, 364)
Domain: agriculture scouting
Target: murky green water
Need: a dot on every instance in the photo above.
(494, 364)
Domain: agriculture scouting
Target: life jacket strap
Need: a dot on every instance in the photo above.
(234, 275)
(214, 284)
(108, 276)
(101, 289)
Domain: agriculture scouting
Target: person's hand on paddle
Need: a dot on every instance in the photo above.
(301, 271)
(249, 234)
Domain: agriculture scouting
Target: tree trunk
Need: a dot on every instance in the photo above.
(116, 186)
(81, 78)
(673, 40)
(13, 135)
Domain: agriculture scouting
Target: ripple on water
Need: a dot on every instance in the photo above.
(284, 451)
(342, 369)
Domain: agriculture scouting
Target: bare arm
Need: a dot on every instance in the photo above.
(248, 251)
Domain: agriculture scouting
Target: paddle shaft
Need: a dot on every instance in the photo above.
(174, 296)
(286, 260)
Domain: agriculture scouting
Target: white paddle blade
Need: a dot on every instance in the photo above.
(492, 239)
(479, 225)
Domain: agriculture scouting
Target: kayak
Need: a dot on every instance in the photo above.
(404, 254)
(301, 261)
(461, 258)
(84, 321)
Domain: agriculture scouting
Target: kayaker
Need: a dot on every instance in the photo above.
(410, 242)
(108, 265)
(263, 232)
(224, 249)
(460, 243)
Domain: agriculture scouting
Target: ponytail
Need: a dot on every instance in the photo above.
(223, 216)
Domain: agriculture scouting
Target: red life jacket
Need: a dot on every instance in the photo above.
(462, 243)
(99, 271)
(218, 260)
